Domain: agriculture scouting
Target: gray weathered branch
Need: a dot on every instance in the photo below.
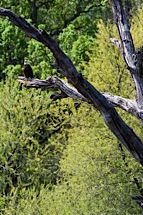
(128, 49)
(56, 83)
(115, 123)
(128, 105)
(116, 42)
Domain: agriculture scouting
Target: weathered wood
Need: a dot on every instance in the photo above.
(56, 83)
(128, 105)
(115, 123)
(128, 50)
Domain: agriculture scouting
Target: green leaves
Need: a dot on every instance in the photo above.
(28, 120)
(12, 46)
(55, 158)
(77, 46)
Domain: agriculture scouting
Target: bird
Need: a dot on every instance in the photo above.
(28, 73)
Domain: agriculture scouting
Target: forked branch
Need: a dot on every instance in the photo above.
(56, 83)
(128, 105)
(115, 123)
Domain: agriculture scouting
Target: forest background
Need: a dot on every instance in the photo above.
(58, 157)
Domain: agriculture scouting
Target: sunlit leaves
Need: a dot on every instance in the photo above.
(28, 120)
(137, 28)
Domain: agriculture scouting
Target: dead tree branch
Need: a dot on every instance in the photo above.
(116, 42)
(115, 123)
(54, 82)
(128, 105)
(128, 50)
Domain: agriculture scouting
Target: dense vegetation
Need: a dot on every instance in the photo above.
(59, 157)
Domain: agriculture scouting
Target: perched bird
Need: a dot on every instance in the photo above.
(27, 70)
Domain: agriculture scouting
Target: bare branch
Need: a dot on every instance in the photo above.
(116, 42)
(115, 123)
(128, 105)
(128, 49)
(124, 33)
(125, 104)
(56, 83)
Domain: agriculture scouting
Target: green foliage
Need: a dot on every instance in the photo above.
(75, 45)
(14, 46)
(28, 121)
(95, 179)
(40, 57)
(11, 53)
(55, 159)
(68, 10)
(136, 28)
(106, 69)
(97, 170)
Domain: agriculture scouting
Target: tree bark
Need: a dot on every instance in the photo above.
(128, 50)
(128, 105)
(114, 122)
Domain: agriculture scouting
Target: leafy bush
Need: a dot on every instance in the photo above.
(28, 120)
